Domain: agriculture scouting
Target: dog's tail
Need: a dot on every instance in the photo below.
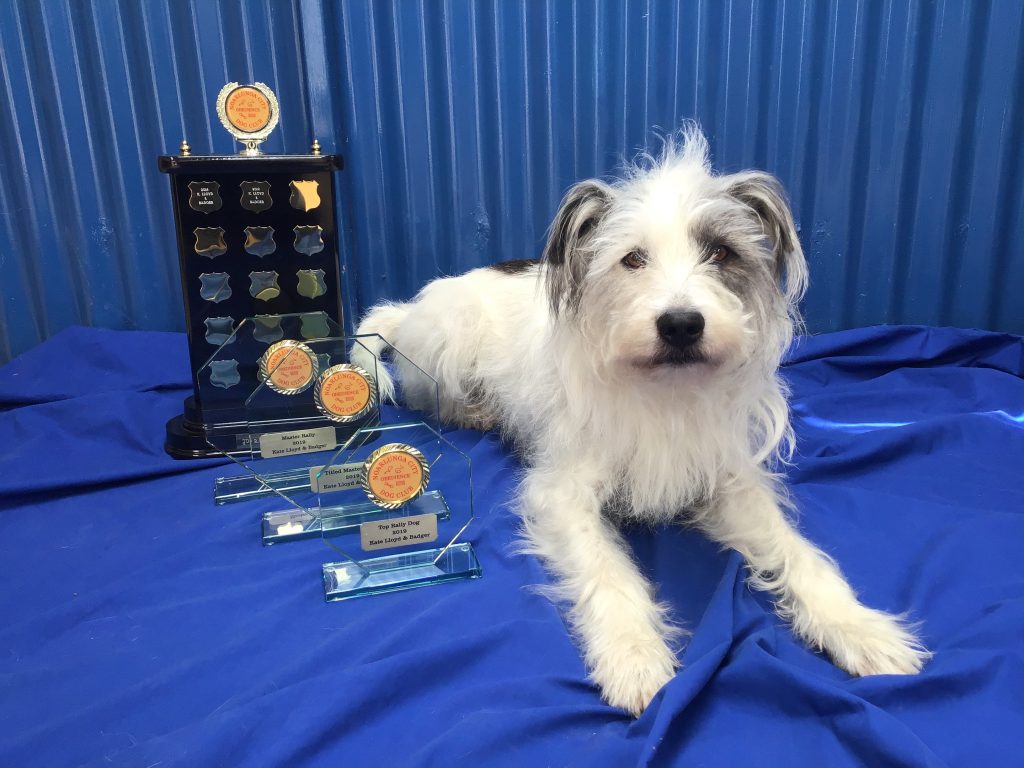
(383, 320)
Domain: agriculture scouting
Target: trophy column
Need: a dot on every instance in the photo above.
(257, 238)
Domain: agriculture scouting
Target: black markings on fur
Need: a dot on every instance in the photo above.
(514, 267)
(568, 251)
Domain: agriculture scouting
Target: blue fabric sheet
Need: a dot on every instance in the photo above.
(142, 625)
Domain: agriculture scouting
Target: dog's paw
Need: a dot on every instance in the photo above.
(631, 674)
(878, 643)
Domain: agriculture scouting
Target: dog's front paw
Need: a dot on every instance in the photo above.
(877, 643)
(633, 671)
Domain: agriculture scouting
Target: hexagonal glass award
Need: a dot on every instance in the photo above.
(262, 379)
(399, 499)
(304, 393)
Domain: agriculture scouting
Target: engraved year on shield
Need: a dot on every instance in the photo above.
(204, 196)
(256, 196)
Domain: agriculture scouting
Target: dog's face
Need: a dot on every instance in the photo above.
(674, 269)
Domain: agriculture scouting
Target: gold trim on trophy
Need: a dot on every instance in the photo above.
(249, 113)
(345, 393)
(289, 367)
(394, 475)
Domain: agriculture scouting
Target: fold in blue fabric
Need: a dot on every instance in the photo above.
(143, 625)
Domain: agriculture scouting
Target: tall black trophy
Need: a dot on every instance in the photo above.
(258, 253)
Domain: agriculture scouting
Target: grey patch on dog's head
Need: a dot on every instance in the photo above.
(750, 273)
(763, 194)
(515, 266)
(567, 252)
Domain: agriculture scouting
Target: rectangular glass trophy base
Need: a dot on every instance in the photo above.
(295, 524)
(392, 573)
(227, 490)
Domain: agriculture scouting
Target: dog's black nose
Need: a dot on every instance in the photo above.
(680, 328)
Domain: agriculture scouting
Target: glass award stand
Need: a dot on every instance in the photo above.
(313, 423)
(230, 380)
(400, 510)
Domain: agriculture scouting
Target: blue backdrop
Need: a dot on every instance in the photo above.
(895, 126)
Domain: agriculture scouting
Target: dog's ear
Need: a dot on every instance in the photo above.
(567, 253)
(762, 193)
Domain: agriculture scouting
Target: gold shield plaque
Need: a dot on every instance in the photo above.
(304, 195)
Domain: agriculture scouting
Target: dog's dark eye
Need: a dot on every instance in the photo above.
(719, 253)
(634, 260)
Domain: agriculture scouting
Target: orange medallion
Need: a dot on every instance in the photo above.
(247, 109)
(288, 367)
(394, 475)
(345, 392)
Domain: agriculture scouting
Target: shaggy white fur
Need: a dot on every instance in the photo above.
(636, 365)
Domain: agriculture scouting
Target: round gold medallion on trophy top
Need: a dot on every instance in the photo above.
(247, 109)
(248, 112)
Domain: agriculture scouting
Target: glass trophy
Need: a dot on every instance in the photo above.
(313, 463)
(302, 394)
(397, 501)
(236, 400)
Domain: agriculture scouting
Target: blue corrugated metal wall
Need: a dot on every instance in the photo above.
(896, 127)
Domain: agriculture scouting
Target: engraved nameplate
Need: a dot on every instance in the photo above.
(400, 532)
(204, 196)
(256, 196)
(301, 441)
(343, 477)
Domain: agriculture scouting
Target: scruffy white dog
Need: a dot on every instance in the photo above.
(636, 365)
